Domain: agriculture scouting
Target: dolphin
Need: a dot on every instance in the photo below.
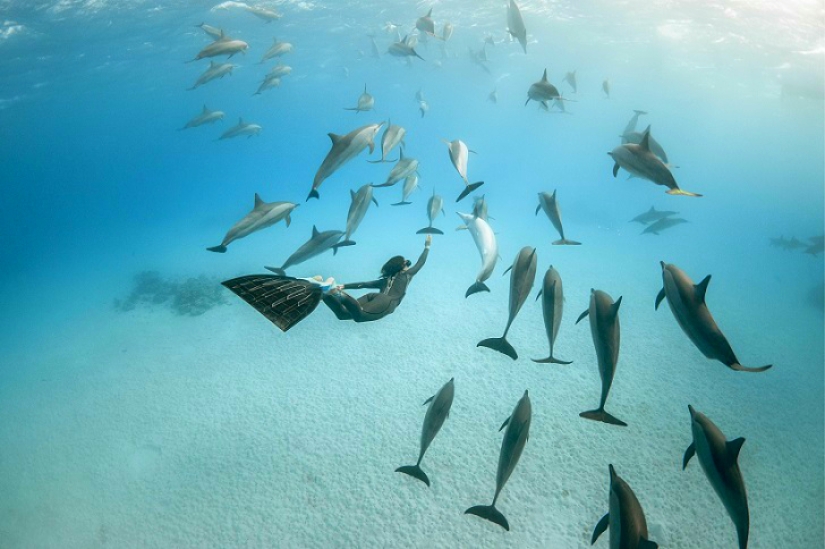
(357, 210)
(423, 107)
(604, 327)
(434, 205)
(515, 25)
(279, 70)
(652, 215)
(631, 124)
(606, 87)
(480, 58)
(655, 147)
(485, 240)
(205, 117)
(344, 148)
(570, 78)
(222, 46)
(547, 202)
(215, 71)
(663, 224)
(410, 184)
(718, 458)
(365, 102)
(552, 307)
(641, 162)
(542, 91)
(316, 245)
(268, 83)
(437, 413)
(213, 32)
(480, 207)
(459, 154)
(277, 49)
(522, 277)
(402, 169)
(402, 49)
(816, 246)
(263, 13)
(515, 437)
(687, 302)
(263, 215)
(392, 136)
(628, 527)
(425, 23)
(242, 128)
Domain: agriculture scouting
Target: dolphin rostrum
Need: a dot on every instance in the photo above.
(718, 458)
(434, 205)
(687, 301)
(215, 71)
(485, 240)
(641, 162)
(604, 327)
(317, 244)
(366, 102)
(542, 91)
(625, 517)
(357, 210)
(437, 413)
(392, 136)
(522, 277)
(552, 306)
(652, 215)
(548, 203)
(263, 215)
(344, 148)
(205, 117)
(242, 128)
(515, 437)
(515, 25)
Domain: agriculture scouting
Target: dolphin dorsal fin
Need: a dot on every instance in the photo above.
(544, 76)
(352, 194)
(365, 88)
(205, 110)
(429, 13)
(240, 121)
(314, 231)
(334, 137)
(258, 201)
(701, 289)
(616, 305)
(503, 425)
(274, 39)
(652, 209)
(734, 446)
(645, 143)
(212, 64)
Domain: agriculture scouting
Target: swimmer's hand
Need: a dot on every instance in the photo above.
(428, 241)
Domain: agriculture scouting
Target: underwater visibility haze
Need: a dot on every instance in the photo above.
(634, 279)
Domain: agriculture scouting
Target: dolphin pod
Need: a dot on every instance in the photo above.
(687, 302)
(522, 277)
(263, 215)
(625, 518)
(515, 437)
(437, 413)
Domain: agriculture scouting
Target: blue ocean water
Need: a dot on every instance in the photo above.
(147, 428)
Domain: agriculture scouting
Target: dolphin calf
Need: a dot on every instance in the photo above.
(215, 71)
(344, 148)
(652, 215)
(604, 327)
(316, 245)
(205, 117)
(515, 25)
(357, 210)
(542, 91)
(434, 205)
(402, 49)
(437, 413)
(263, 215)
(522, 277)
(630, 127)
(425, 23)
(485, 240)
(570, 78)
(277, 49)
(625, 517)
(268, 83)
(242, 128)
(687, 302)
(641, 162)
(402, 169)
(213, 32)
(393, 135)
(663, 224)
(222, 46)
(410, 184)
(718, 458)
(548, 203)
(515, 437)
(552, 307)
(365, 102)
(655, 147)
(266, 14)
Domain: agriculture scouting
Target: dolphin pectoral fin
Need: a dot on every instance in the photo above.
(600, 528)
(647, 544)
(739, 368)
(604, 417)
(477, 287)
(689, 453)
(219, 249)
(733, 447)
(538, 295)
(701, 289)
(583, 315)
(414, 471)
(499, 344)
(537, 209)
(659, 298)
(682, 192)
(489, 512)
(428, 400)
(615, 169)
(507, 270)
(503, 425)
(375, 201)
(551, 360)
(565, 242)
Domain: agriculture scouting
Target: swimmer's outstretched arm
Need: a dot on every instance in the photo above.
(412, 271)
(372, 284)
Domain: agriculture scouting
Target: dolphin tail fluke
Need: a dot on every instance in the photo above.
(682, 192)
(489, 512)
(468, 189)
(343, 243)
(219, 249)
(604, 417)
(501, 345)
(739, 368)
(475, 288)
(402, 203)
(277, 270)
(565, 242)
(313, 194)
(429, 230)
(551, 360)
(414, 471)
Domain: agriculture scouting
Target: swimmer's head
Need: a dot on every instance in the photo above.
(394, 266)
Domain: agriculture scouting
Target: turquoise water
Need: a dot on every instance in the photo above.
(152, 428)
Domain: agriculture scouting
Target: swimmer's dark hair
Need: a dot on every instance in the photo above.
(394, 266)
